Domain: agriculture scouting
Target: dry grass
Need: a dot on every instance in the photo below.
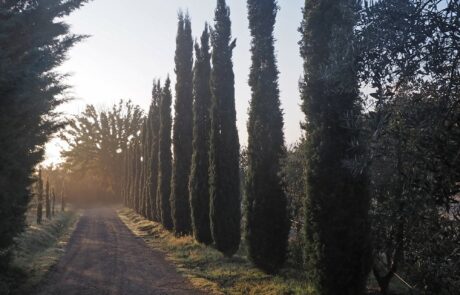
(40, 247)
(209, 270)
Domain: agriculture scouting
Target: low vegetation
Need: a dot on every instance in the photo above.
(207, 268)
(37, 250)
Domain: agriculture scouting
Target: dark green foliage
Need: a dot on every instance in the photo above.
(267, 226)
(414, 139)
(47, 200)
(224, 177)
(137, 165)
(30, 90)
(125, 179)
(164, 157)
(153, 131)
(293, 172)
(145, 145)
(132, 174)
(337, 203)
(199, 177)
(183, 128)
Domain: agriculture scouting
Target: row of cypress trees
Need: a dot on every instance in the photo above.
(198, 190)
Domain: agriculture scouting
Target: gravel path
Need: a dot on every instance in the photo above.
(104, 257)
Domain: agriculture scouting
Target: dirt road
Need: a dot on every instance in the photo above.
(104, 257)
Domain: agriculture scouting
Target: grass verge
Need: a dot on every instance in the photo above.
(39, 248)
(209, 270)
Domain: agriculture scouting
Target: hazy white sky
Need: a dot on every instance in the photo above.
(133, 41)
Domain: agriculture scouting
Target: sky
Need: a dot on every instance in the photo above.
(132, 42)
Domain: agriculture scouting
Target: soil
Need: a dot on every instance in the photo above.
(104, 257)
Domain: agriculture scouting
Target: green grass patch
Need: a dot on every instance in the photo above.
(208, 270)
(39, 248)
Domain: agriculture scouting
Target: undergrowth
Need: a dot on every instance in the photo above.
(38, 249)
(208, 270)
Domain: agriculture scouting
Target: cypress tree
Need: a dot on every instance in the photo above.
(183, 128)
(47, 200)
(128, 175)
(143, 170)
(267, 226)
(30, 88)
(336, 223)
(164, 157)
(139, 176)
(136, 175)
(199, 177)
(124, 175)
(224, 181)
(62, 199)
(53, 202)
(133, 161)
(154, 129)
(39, 197)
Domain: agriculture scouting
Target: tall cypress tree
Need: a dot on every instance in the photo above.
(30, 88)
(183, 128)
(164, 157)
(224, 181)
(147, 207)
(152, 153)
(136, 175)
(337, 203)
(129, 174)
(267, 226)
(143, 170)
(53, 202)
(125, 176)
(154, 127)
(199, 177)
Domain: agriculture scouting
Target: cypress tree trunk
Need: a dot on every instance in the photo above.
(337, 203)
(47, 200)
(199, 177)
(164, 157)
(53, 203)
(267, 226)
(62, 202)
(183, 126)
(225, 211)
(40, 198)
